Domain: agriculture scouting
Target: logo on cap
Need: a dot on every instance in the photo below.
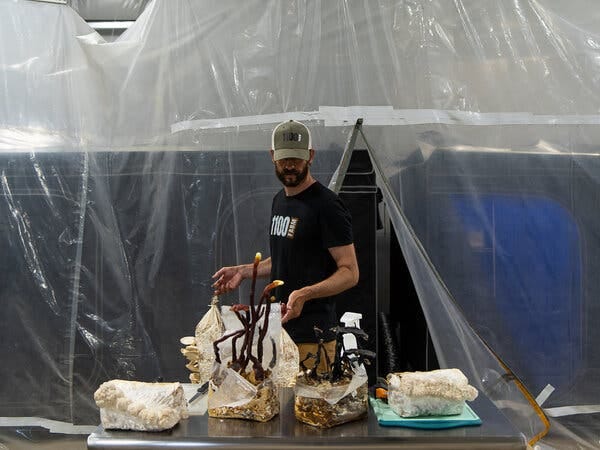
(291, 136)
(291, 139)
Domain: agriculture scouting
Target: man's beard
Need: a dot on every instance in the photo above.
(298, 176)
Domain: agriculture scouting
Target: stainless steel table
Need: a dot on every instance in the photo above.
(284, 431)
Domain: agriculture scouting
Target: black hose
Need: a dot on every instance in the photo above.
(388, 353)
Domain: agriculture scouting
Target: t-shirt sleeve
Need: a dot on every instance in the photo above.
(336, 224)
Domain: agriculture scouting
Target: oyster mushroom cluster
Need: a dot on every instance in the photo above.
(135, 405)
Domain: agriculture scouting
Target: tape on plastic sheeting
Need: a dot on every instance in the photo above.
(543, 396)
(61, 2)
(242, 121)
(336, 116)
(561, 411)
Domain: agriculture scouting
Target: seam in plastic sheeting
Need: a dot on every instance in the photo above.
(335, 184)
(335, 116)
(76, 278)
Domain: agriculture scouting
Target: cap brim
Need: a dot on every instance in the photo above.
(299, 153)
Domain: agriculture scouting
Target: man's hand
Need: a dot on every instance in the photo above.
(228, 279)
(294, 305)
(345, 277)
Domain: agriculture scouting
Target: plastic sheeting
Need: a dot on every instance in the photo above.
(108, 10)
(132, 170)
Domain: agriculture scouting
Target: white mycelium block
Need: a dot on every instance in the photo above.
(435, 393)
(134, 405)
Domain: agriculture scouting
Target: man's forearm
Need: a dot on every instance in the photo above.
(345, 277)
(340, 281)
(263, 271)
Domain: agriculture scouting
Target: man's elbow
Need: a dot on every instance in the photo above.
(355, 275)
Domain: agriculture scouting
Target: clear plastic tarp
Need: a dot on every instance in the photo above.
(131, 170)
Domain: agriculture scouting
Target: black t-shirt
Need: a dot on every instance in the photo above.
(303, 228)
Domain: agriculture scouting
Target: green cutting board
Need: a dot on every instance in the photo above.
(388, 418)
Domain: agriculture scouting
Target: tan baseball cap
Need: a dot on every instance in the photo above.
(291, 139)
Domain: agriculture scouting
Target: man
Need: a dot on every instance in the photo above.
(312, 249)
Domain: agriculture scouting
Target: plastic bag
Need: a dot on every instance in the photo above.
(199, 348)
(326, 405)
(243, 392)
(232, 396)
(288, 360)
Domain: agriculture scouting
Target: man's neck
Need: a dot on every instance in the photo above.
(306, 183)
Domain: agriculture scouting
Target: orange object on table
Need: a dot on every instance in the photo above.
(381, 393)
